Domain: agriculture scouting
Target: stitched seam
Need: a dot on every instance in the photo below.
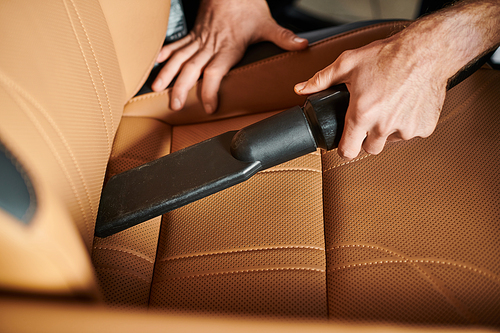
(453, 114)
(290, 169)
(118, 157)
(88, 68)
(125, 272)
(492, 277)
(17, 95)
(414, 262)
(290, 247)
(489, 275)
(315, 45)
(348, 162)
(255, 270)
(460, 308)
(271, 59)
(134, 253)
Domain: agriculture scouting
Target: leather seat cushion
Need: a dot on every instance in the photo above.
(412, 234)
(252, 249)
(284, 237)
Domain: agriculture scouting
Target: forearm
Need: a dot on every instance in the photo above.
(449, 39)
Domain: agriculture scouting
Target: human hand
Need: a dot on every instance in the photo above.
(397, 85)
(393, 95)
(222, 32)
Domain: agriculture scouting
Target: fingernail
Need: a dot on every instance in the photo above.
(176, 104)
(299, 40)
(208, 108)
(300, 86)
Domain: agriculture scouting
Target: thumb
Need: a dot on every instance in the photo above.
(322, 80)
(283, 38)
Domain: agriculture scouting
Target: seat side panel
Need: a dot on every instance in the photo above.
(124, 262)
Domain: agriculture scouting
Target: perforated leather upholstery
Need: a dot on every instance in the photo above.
(412, 234)
(407, 237)
(363, 241)
(61, 99)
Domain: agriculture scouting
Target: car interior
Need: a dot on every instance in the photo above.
(403, 241)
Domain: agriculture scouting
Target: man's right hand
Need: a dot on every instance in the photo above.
(398, 84)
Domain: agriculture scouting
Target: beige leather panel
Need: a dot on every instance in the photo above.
(124, 262)
(266, 85)
(413, 234)
(138, 30)
(63, 317)
(252, 249)
(61, 98)
(47, 256)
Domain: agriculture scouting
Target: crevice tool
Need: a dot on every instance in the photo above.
(195, 172)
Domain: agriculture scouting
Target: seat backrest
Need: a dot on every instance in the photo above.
(64, 79)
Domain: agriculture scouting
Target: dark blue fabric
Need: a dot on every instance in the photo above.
(15, 188)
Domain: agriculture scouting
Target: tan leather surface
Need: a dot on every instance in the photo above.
(61, 101)
(124, 262)
(266, 85)
(249, 250)
(138, 30)
(52, 317)
(61, 107)
(47, 256)
(412, 234)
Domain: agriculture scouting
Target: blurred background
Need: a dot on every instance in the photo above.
(342, 11)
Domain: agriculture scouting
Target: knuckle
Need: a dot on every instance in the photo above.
(344, 55)
(382, 130)
(373, 150)
(317, 78)
(212, 71)
(427, 132)
(407, 134)
(359, 118)
(346, 153)
(191, 66)
(344, 58)
(285, 33)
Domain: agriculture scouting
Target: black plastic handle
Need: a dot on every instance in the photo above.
(296, 131)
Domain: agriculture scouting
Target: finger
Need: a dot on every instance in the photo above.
(395, 137)
(333, 74)
(283, 38)
(213, 75)
(191, 72)
(352, 140)
(168, 49)
(374, 143)
(173, 66)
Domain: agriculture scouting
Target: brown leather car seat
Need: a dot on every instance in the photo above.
(407, 237)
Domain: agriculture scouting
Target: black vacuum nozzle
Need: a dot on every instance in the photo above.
(190, 174)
